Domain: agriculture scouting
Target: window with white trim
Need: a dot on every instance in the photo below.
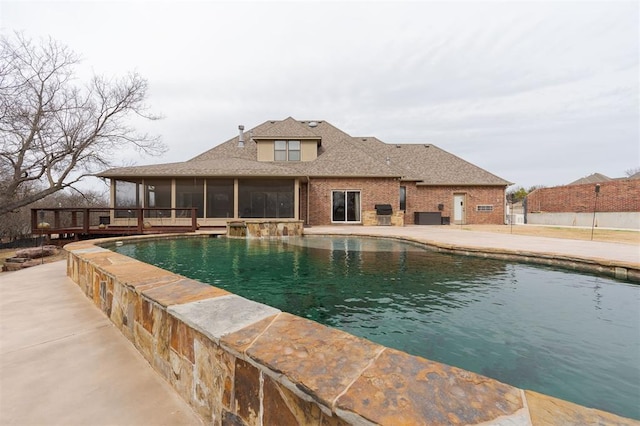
(484, 207)
(286, 151)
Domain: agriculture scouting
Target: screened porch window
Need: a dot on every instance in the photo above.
(189, 193)
(127, 197)
(219, 197)
(157, 195)
(265, 198)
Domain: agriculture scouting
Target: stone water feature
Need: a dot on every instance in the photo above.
(264, 228)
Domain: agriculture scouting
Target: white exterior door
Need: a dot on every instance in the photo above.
(458, 208)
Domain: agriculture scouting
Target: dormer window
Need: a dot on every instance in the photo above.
(287, 151)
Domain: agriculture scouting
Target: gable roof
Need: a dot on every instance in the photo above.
(288, 127)
(339, 155)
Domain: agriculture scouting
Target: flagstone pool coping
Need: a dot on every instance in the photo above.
(239, 362)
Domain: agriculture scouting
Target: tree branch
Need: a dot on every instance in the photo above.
(52, 129)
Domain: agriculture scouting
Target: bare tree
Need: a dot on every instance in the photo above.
(53, 131)
(631, 172)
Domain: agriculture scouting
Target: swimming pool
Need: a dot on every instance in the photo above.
(569, 335)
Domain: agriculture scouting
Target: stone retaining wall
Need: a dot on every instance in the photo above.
(238, 362)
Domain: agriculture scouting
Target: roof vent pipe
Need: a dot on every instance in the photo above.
(241, 137)
(388, 161)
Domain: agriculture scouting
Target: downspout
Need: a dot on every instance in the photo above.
(308, 192)
(508, 216)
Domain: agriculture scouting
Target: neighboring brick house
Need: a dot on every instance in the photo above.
(313, 172)
(617, 203)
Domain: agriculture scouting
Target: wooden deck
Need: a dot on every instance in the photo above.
(81, 223)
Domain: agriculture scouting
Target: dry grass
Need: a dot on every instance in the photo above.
(608, 235)
(7, 253)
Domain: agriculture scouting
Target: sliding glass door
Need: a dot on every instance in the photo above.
(346, 206)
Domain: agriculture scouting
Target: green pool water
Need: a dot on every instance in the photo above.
(573, 336)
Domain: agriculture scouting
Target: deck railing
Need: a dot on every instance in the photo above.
(71, 221)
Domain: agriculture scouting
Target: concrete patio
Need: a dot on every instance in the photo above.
(51, 337)
(452, 238)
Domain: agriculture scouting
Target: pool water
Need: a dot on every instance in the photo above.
(573, 336)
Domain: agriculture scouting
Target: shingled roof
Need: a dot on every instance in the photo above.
(592, 178)
(289, 127)
(339, 155)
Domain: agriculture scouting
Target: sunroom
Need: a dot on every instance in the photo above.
(218, 200)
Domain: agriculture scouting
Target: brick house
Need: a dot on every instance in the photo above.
(312, 172)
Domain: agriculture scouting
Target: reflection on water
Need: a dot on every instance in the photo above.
(573, 336)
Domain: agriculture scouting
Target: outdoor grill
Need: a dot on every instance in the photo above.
(384, 209)
(383, 213)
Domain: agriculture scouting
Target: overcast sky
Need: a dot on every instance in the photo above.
(538, 93)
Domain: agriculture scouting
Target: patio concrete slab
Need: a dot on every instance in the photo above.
(63, 362)
(450, 236)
